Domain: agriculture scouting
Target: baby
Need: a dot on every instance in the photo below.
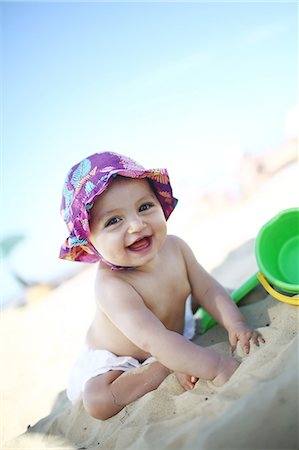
(116, 213)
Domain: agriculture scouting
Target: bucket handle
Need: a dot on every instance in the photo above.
(283, 298)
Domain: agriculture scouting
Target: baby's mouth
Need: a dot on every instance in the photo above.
(141, 244)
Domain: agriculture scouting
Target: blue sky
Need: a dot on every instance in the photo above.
(187, 86)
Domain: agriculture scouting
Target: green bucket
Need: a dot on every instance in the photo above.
(277, 256)
(277, 251)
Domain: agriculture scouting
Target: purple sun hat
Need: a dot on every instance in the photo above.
(90, 178)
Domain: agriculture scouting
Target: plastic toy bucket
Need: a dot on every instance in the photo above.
(277, 256)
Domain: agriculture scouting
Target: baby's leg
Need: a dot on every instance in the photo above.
(105, 395)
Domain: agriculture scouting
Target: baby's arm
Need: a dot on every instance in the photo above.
(219, 305)
(127, 311)
(215, 300)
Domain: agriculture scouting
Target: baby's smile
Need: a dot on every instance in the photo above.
(141, 244)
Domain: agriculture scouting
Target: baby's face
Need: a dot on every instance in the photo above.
(127, 223)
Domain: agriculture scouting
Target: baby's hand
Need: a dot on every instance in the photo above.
(240, 331)
(186, 381)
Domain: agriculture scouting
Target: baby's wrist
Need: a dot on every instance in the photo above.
(232, 325)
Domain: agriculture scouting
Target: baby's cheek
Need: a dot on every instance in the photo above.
(162, 229)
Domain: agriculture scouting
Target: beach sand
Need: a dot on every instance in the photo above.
(256, 409)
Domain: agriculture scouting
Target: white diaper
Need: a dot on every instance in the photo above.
(91, 363)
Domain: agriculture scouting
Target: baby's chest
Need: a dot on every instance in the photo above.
(166, 293)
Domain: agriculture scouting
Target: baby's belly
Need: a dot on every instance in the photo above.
(102, 334)
(111, 339)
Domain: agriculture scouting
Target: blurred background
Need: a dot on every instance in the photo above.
(208, 90)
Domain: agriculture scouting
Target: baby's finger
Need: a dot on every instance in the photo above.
(233, 342)
(245, 343)
(257, 338)
(261, 339)
(189, 385)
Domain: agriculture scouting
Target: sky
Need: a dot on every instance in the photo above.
(189, 86)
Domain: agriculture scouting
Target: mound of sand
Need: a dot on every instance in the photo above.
(256, 409)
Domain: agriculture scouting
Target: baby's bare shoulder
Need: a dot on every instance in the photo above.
(182, 249)
(176, 243)
(174, 240)
(109, 284)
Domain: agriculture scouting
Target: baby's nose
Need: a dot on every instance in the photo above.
(136, 225)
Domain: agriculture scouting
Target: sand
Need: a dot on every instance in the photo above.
(256, 409)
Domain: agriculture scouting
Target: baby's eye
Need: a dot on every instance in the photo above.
(112, 221)
(145, 206)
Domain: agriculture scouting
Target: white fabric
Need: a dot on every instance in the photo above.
(96, 362)
(91, 363)
(189, 328)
